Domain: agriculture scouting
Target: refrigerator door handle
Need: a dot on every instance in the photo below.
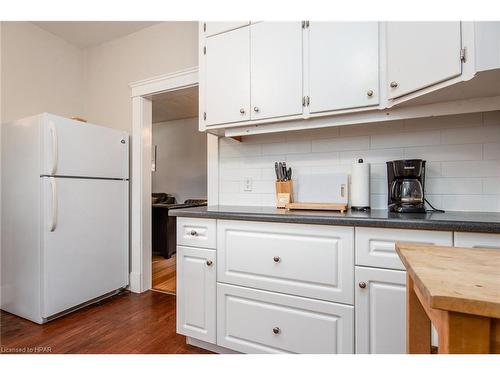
(53, 221)
(53, 133)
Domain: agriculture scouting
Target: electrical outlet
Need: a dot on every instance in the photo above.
(248, 184)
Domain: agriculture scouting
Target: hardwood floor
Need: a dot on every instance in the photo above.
(126, 323)
(164, 276)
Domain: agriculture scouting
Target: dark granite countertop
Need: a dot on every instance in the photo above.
(459, 221)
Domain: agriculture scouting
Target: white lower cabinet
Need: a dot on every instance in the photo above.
(256, 321)
(196, 293)
(380, 311)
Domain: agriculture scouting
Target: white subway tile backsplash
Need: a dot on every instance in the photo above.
(491, 151)
(453, 186)
(405, 139)
(491, 185)
(471, 135)
(481, 168)
(491, 118)
(486, 203)
(444, 122)
(462, 153)
(341, 144)
(313, 159)
(446, 152)
(286, 148)
(371, 156)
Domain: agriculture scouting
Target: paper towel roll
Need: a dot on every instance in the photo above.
(360, 185)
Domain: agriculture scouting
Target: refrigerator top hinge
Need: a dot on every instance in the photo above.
(463, 54)
(204, 26)
(307, 24)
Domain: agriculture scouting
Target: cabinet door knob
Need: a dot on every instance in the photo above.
(209, 263)
(276, 330)
(394, 84)
(277, 259)
(362, 285)
(369, 93)
(242, 111)
(256, 109)
(194, 233)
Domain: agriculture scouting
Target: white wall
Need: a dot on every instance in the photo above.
(40, 73)
(110, 67)
(462, 153)
(181, 159)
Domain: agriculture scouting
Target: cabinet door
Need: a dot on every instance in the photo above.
(380, 311)
(421, 54)
(227, 77)
(343, 65)
(213, 28)
(196, 293)
(276, 66)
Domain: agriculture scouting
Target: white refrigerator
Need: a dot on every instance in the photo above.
(65, 215)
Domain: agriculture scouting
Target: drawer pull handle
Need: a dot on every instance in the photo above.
(194, 233)
(362, 285)
(209, 263)
(276, 330)
(277, 259)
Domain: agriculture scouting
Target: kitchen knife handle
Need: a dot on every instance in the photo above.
(53, 219)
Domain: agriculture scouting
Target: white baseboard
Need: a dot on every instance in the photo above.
(208, 346)
(135, 282)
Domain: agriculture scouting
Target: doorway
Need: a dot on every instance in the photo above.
(178, 175)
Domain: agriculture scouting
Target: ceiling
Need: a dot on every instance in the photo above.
(175, 105)
(91, 33)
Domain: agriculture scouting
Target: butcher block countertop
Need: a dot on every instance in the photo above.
(456, 279)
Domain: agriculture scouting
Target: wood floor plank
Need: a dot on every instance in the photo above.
(164, 274)
(126, 323)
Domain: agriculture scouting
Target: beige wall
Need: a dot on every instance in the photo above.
(110, 67)
(181, 159)
(40, 73)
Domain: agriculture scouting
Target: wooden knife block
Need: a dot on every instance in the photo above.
(284, 193)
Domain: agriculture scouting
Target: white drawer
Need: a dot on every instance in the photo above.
(196, 232)
(375, 246)
(486, 240)
(315, 261)
(255, 321)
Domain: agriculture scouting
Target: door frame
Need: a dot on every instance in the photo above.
(140, 207)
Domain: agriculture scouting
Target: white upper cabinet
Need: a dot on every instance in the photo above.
(421, 54)
(276, 69)
(227, 77)
(343, 65)
(213, 28)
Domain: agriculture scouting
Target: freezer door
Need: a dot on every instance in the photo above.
(84, 240)
(73, 148)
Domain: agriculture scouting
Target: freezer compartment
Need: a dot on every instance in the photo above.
(73, 148)
(84, 241)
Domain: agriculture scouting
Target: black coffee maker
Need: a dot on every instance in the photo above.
(406, 182)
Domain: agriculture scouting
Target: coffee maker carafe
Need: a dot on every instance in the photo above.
(406, 180)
